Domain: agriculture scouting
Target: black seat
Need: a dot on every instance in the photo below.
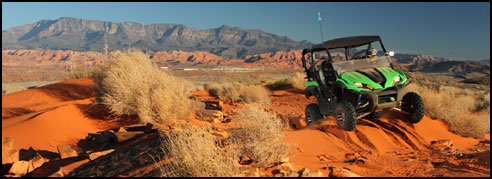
(328, 71)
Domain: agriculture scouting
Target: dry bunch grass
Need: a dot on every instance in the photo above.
(260, 136)
(131, 85)
(467, 113)
(194, 153)
(239, 92)
(298, 81)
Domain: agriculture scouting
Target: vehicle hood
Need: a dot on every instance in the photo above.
(376, 78)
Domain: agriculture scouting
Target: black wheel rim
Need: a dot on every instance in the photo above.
(340, 116)
(309, 118)
(408, 107)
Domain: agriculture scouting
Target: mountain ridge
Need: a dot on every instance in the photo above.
(68, 33)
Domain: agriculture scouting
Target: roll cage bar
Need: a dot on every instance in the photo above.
(346, 43)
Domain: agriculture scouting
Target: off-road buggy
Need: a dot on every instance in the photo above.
(350, 85)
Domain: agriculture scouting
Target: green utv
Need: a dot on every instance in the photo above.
(351, 79)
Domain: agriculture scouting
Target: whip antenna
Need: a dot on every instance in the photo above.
(319, 20)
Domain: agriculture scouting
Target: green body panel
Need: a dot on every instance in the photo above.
(349, 78)
(351, 86)
(311, 83)
(403, 77)
(390, 74)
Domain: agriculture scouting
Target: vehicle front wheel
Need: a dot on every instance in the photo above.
(345, 116)
(312, 113)
(413, 104)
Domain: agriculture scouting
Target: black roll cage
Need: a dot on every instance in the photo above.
(346, 43)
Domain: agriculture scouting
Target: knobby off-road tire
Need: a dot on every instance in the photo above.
(345, 116)
(312, 114)
(414, 106)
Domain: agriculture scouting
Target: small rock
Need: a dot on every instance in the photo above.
(9, 154)
(221, 106)
(251, 172)
(408, 159)
(19, 168)
(285, 167)
(121, 129)
(148, 128)
(220, 134)
(66, 152)
(105, 137)
(279, 175)
(442, 142)
(308, 173)
(210, 115)
(351, 155)
(341, 172)
(437, 163)
(36, 162)
(360, 159)
(95, 155)
(285, 159)
(123, 136)
(216, 120)
(27, 154)
(218, 115)
(245, 160)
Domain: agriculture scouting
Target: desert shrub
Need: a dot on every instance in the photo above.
(77, 74)
(280, 83)
(298, 81)
(239, 92)
(194, 153)
(463, 113)
(260, 136)
(482, 102)
(130, 85)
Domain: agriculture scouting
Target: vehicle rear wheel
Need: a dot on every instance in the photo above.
(412, 104)
(312, 113)
(345, 116)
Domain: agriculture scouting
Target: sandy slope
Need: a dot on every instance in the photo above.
(64, 113)
(391, 145)
(51, 115)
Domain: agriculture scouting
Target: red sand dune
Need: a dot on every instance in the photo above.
(64, 113)
(51, 115)
(386, 142)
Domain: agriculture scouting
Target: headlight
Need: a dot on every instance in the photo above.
(358, 85)
(396, 80)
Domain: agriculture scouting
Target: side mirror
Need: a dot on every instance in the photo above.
(391, 53)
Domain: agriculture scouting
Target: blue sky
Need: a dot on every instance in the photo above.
(444, 29)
